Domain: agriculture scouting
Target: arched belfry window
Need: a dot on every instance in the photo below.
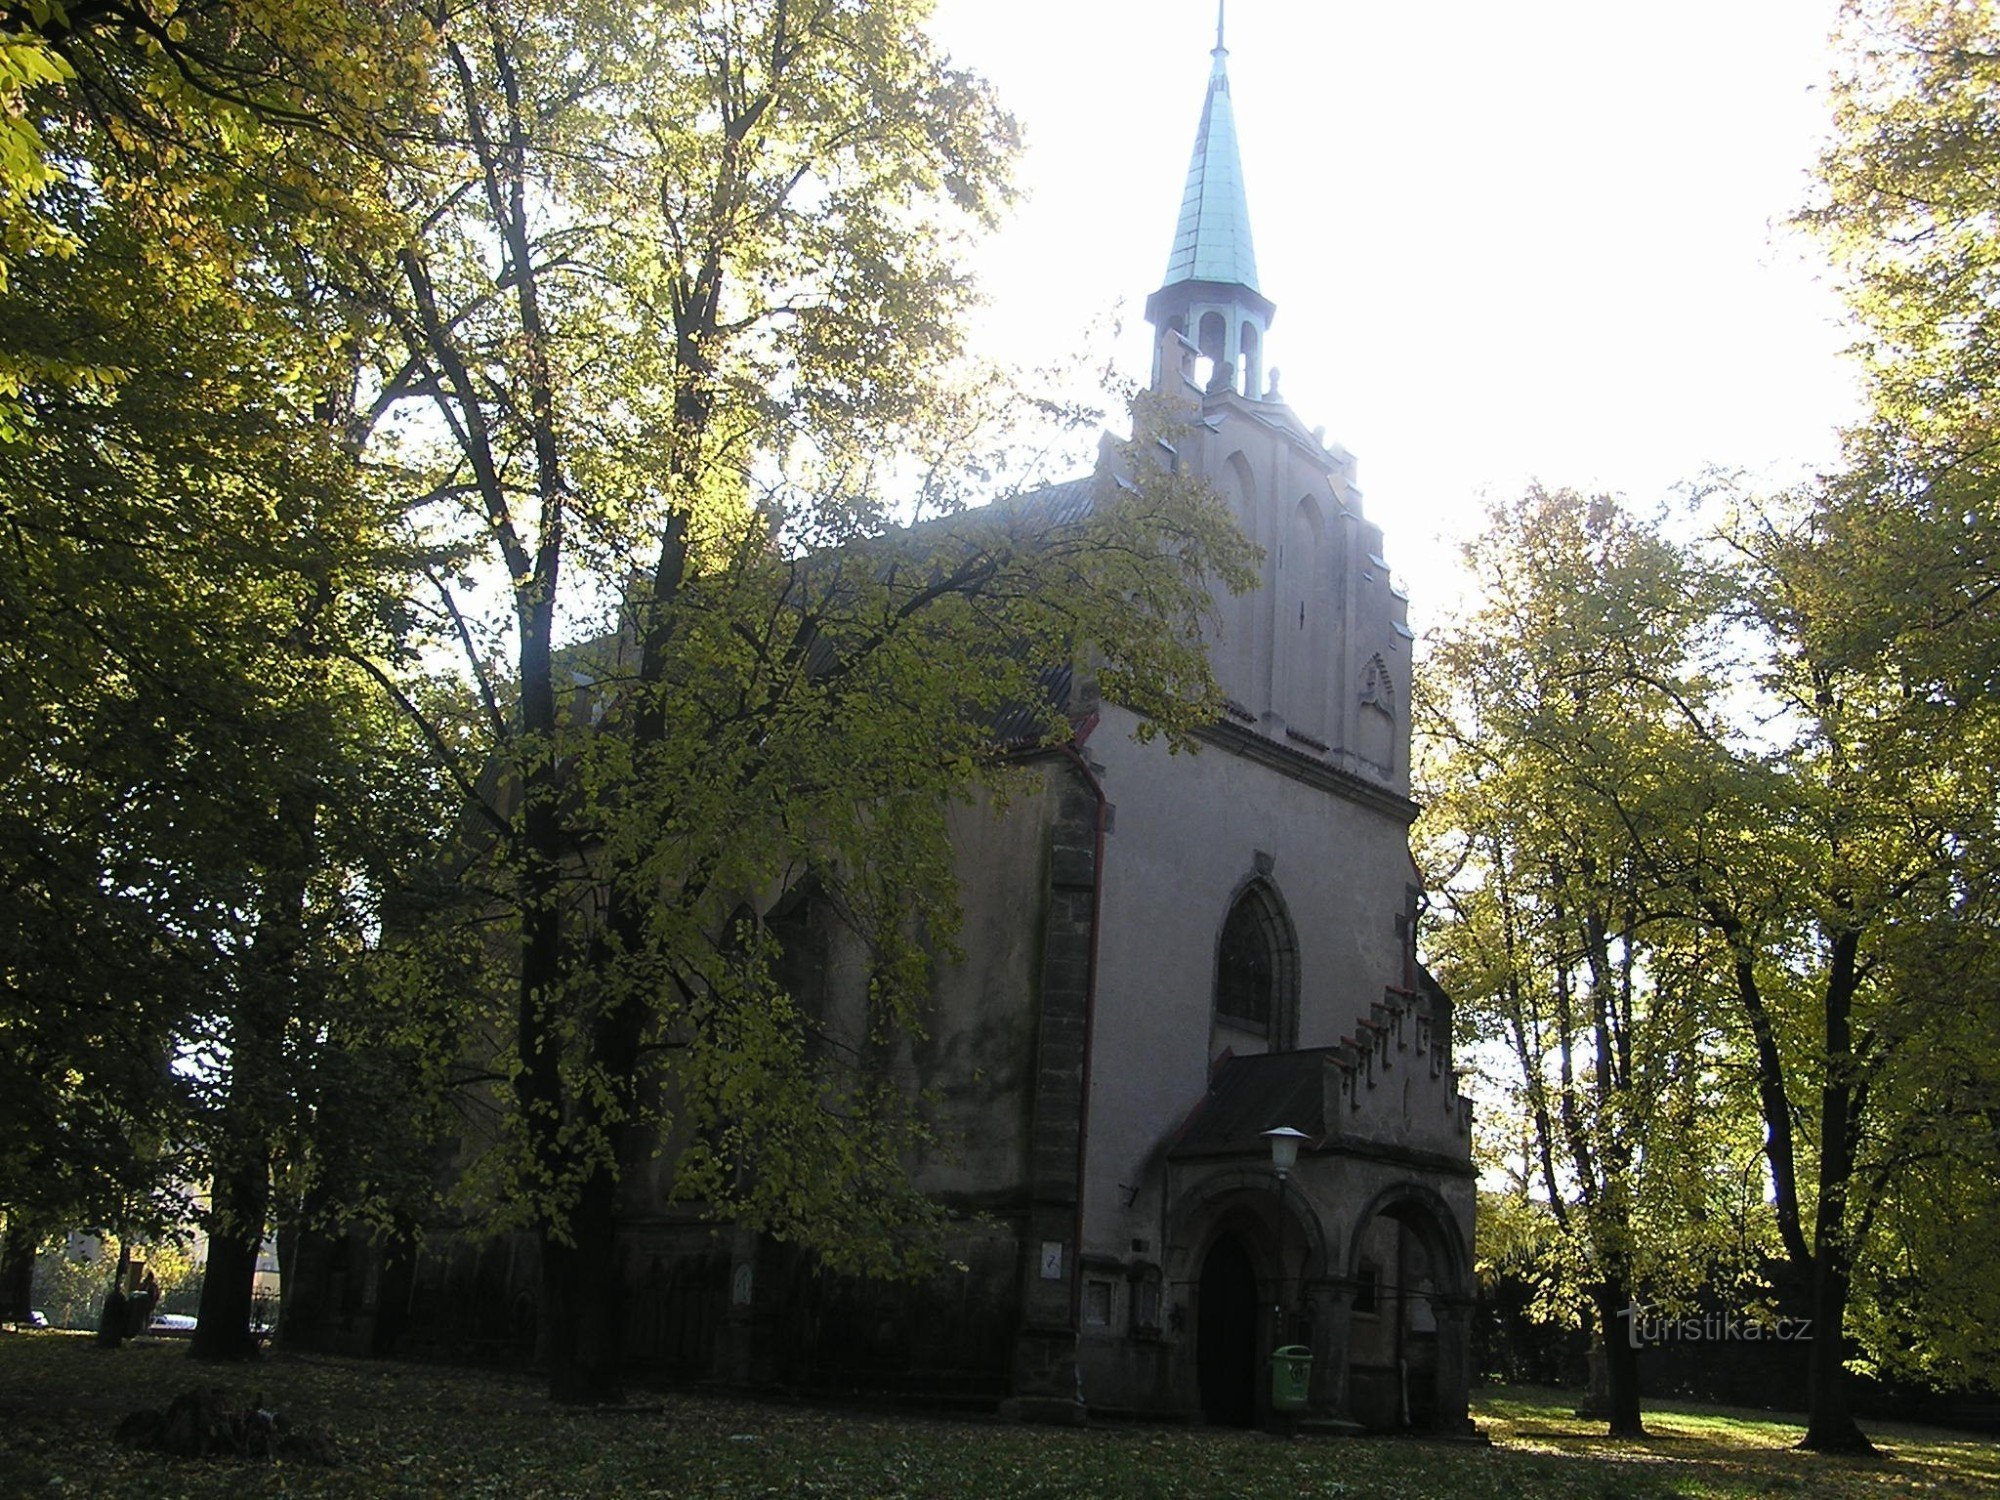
(1257, 967)
(1212, 337)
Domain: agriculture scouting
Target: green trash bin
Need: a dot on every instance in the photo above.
(1291, 1377)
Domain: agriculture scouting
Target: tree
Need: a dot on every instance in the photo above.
(1883, 594)
(681, 296)
(195, 816)
(1559, 717)
(1848, 869)
(1795, 883)
(197, 111)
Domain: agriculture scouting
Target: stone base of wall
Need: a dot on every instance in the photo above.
(1045, 1411)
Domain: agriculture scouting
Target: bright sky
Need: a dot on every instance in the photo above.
(1511, 239)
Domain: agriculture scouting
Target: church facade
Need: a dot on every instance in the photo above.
(1252, 963)
(1166, 959)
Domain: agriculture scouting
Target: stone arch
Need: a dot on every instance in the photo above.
(1408, 1356)
(1198, 1212)
(1287, 1245)
(1250, 359)
(1423, 1208)
(1212, 337)
(1378, 687)
(1255, 988)
(1239, 487)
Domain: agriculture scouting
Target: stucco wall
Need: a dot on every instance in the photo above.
(978, 1055)
(1187, 835)
(1322, 647)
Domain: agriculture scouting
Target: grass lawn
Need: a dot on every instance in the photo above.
(419, 1430)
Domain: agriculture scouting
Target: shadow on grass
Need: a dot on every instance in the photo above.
(417, 1430)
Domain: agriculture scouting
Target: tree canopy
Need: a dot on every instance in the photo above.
(1810, 820)
(1698, 858)
(507, 404)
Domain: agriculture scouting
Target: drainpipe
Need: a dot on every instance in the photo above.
(1089, 1022)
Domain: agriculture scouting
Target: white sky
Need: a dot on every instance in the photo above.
(1513, 239)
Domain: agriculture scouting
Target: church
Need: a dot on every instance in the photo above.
(1200, 1091)
(1228, 956)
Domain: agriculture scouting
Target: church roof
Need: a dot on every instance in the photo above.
(1253, 1094)
(1212, 240)
(1040, 511)
(1030, 516)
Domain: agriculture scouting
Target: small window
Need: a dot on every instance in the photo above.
(1366, 1282)
(1146, 1303)
(1097, 1304)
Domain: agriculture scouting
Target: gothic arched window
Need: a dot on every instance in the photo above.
(797, 925)
(1256, 967)
(1245, 967)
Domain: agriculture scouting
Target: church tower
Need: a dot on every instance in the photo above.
(1250, 971)
(1209, 304)
(1317, 660)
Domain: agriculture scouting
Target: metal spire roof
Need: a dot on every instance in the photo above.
(1212, 240)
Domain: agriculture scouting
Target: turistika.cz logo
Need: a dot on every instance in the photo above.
(1643, 1327)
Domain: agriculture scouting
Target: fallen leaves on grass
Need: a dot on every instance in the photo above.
(414, 1430)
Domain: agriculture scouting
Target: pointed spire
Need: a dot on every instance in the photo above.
(1210, 301)
(1212, 239)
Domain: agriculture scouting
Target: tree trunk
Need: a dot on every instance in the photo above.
(1830, 1426)
(304, 1257)
(240, 1196)
(583, 1292)
(393, 1288)
(17, 1270)
(228, 1288)
(260, 1092)
(114, 1323)
(1621, 1357)
(582, 1301)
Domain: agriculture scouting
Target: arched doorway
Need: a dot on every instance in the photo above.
(1406, 1354)
(1226, 1335)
